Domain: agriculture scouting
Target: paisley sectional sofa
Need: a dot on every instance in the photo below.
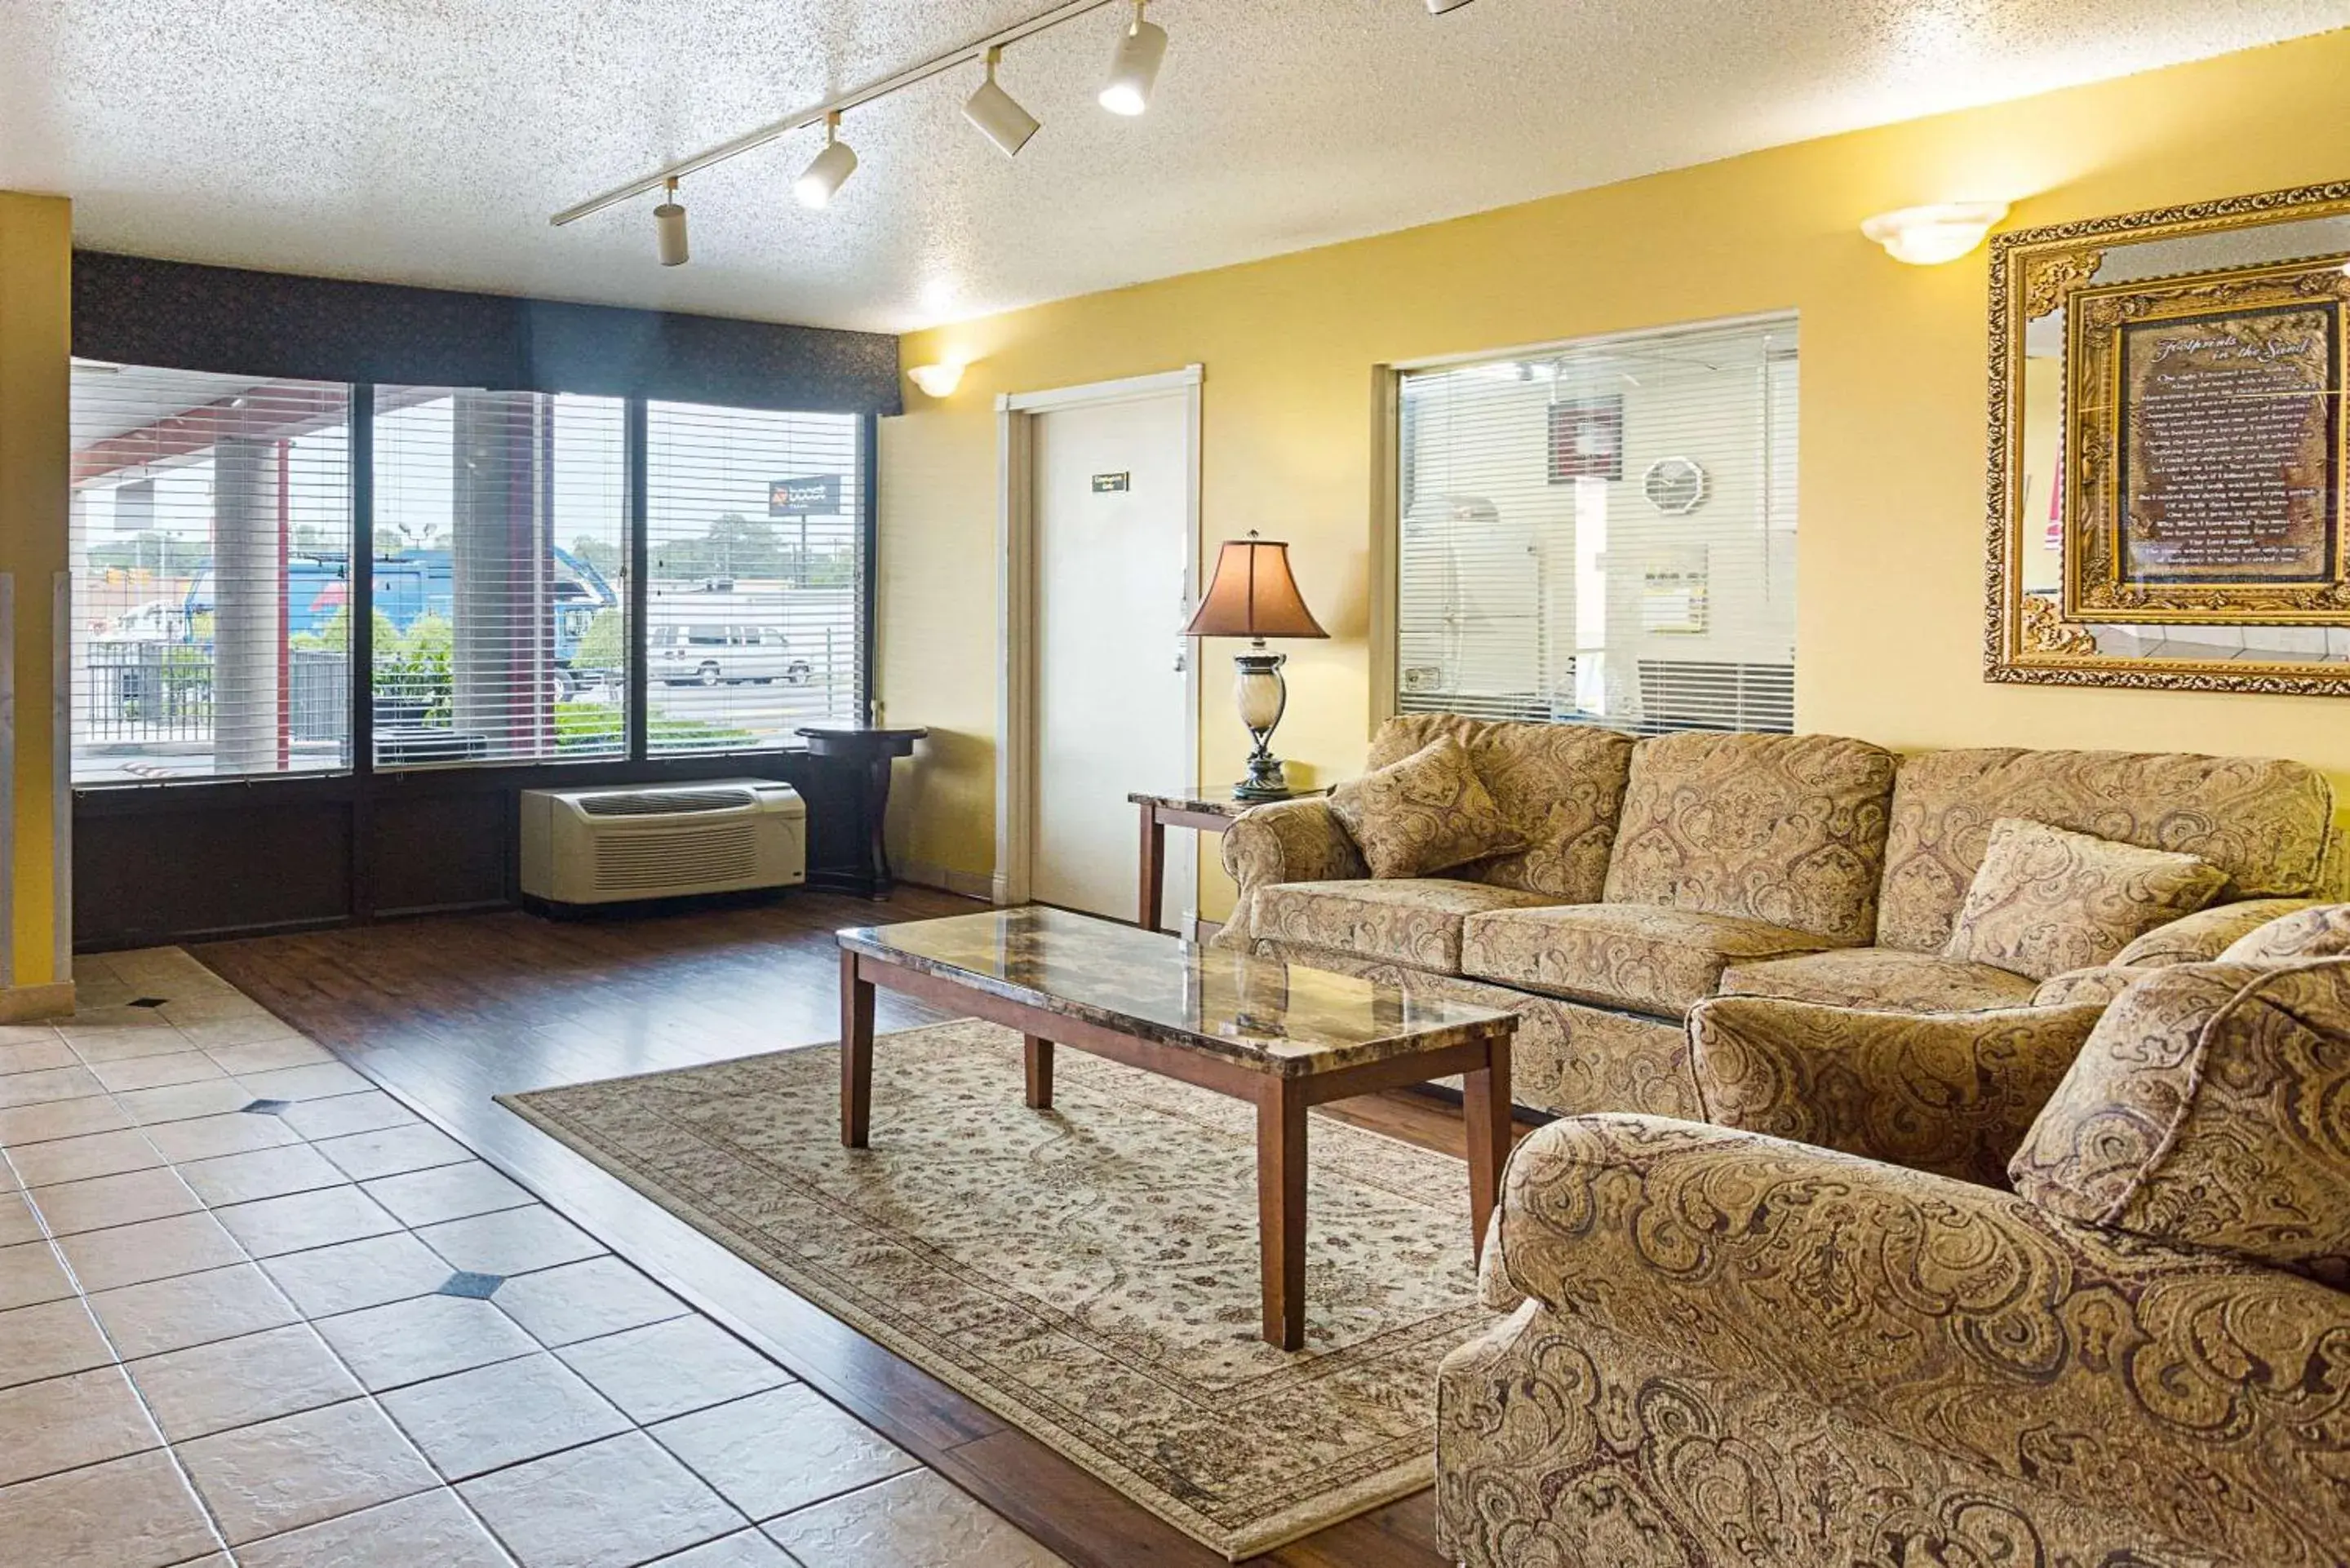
(1658, 873)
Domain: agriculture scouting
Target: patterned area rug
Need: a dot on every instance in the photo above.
(1088, 1274)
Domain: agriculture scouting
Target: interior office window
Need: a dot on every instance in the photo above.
(210, 537)
(756, 563)
(500, 616)
(1604, 532)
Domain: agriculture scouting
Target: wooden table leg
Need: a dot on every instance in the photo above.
(856, 1053)
(1486, 1104)
(1154, 868)
(876, 819)
(1039, 1054)
(1281, 1208)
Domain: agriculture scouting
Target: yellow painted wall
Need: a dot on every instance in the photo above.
(1890, 569)
(36, 268)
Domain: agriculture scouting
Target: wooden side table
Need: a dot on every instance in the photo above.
(871, 750)
(1209, 810)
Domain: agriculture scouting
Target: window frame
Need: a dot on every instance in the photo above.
(1388, 454)
(636, 759)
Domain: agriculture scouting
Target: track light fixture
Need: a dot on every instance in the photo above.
(669, 227)
(1134, 71)
(997, 114)
(1135, 67)
(831, 169)
(1439, 7)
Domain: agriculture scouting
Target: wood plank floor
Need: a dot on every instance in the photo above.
(448, 1011)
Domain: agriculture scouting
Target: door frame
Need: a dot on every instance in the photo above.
(1015, 605)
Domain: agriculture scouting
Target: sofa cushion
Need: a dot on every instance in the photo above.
(1426, 814)
(1882, 978)
(2046, 901)
(1561, 787)
(2207, 1109)
(2313, 933)
(2265, 823)
(1784, 829)
(2089, 987)
(1662, 962)
(1414, 921)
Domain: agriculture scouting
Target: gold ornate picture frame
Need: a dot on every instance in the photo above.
(2168, 473)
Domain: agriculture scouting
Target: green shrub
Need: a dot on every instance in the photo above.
(596, 726)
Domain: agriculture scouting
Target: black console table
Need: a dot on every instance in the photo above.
(870, 750)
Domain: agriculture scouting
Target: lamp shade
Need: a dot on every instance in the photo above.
(1253, 593)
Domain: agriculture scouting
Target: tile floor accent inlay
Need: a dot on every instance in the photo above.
(323, 1332)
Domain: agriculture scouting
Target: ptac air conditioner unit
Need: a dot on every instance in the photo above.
(660, 841)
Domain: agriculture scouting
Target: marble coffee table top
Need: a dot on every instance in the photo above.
(1274, 1017)
(1211, 800)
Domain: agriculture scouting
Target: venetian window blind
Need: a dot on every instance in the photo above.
(209, 549)
(1604, 531)
(500, 623)
(755, 559)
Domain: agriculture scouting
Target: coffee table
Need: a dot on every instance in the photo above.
(1280, 1035)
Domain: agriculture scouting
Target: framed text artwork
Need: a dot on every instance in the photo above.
(2170, 460)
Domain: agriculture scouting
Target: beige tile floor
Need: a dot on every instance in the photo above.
(255, 1312)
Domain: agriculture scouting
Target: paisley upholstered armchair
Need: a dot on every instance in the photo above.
(1724, 1346)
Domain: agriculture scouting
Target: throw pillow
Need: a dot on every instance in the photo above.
(2046, 901)
(2203, 1112)
(1423, 814)
(2321, 932)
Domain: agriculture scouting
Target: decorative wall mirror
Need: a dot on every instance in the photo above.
(2171, 456)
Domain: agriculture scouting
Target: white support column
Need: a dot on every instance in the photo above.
(247, 617)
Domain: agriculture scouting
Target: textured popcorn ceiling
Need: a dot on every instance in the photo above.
(427, 141)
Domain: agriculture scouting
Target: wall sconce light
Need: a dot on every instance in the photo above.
(1929, 236)
(938, 380)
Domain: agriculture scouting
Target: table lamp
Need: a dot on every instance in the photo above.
(1253, 595)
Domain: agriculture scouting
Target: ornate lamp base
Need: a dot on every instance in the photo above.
(1262, 695)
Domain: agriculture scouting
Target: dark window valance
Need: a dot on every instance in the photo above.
(182, 315)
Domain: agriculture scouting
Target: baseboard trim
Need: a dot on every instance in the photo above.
(26, 1003)
(983, 884)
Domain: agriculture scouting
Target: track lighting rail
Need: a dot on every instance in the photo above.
(818, 114)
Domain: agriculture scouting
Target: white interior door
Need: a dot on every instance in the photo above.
(1112, 488)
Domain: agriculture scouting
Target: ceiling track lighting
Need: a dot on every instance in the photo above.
(669, 227)
(1134, 69)
(829, 172)
(997, 114)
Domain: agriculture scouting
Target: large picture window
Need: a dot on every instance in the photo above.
(500, 616)
(1603, 533)
(210, 552)
(755, 559)
(214, 594)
